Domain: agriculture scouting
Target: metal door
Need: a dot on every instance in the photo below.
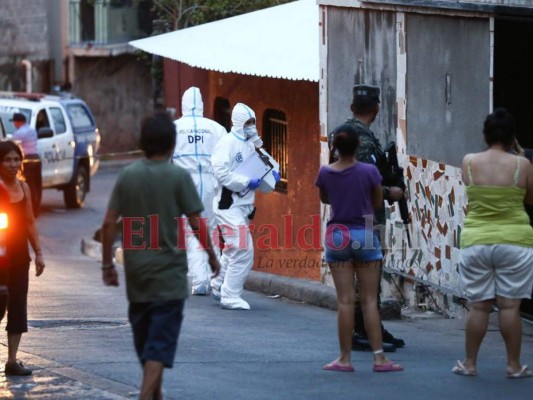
(448, 86)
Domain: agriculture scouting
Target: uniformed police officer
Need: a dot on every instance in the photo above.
(365, 108)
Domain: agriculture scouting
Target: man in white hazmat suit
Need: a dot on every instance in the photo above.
(234, 212)
(196, 137)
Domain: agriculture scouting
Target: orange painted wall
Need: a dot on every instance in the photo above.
(178, 78)
(299, 101)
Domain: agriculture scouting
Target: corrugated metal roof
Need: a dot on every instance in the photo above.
(518, 7)
(510, 3)
(277, 42)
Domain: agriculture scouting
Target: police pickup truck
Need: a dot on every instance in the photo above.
(68, 140)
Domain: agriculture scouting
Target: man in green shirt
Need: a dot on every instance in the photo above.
(151, 196)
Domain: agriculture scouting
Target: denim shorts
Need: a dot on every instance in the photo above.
(354, 244)
(156, 327)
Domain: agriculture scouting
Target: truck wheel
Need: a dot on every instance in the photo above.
(74, 193)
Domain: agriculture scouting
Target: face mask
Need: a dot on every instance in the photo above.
(250, 131)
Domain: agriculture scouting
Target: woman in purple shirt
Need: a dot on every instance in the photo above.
(353, 189)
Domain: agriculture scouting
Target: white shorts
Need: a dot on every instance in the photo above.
(494, 270)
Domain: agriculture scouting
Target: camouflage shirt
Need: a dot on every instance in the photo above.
(369, 151)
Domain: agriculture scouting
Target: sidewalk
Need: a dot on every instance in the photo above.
(51, 380)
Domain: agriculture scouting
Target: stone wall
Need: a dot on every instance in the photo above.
(118, 90)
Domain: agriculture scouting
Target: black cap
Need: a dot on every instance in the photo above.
(18, 117)
(365, 94)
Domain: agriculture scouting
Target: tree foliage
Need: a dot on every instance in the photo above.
(179, 14)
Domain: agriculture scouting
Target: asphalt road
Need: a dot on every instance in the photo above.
(80, 345)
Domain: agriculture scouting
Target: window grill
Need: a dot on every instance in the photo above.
(275, 142)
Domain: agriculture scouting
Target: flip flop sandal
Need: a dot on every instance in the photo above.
(523, 373)
(334, 366)
(389, 367)
(460, 369)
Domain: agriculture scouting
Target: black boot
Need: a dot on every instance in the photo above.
(388, 338)
(360, 343)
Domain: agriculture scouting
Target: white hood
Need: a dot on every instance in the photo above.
(240, 114)
(191, 103)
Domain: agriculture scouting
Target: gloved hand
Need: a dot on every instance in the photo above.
(276, 175)
(254, 184)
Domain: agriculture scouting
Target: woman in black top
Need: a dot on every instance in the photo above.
(21, 230)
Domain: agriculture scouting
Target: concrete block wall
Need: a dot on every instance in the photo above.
(24, 29)
(119, 92)
(24, 35)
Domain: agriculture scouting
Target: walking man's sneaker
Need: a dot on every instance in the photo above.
(17, 369)
(388, 338)
(361, 343)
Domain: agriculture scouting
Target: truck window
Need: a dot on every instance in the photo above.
(6, 112)
(42, 120)
(79, 116)
(2, 130)
(59, 120)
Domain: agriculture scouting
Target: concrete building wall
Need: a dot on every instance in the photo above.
(24, 29)
(119, 92)
(448, 97)
(434, 121)
(361, 49)
(24, 35)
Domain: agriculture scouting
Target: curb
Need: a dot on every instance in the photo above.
(52, 370)
(302, 290)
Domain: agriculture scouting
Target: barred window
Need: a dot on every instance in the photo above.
(222, 112)
(275, 142)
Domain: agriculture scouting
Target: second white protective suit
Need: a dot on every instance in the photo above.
(196, 138)
(233, 211)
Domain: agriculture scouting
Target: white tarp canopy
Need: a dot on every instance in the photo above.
(277, 42)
